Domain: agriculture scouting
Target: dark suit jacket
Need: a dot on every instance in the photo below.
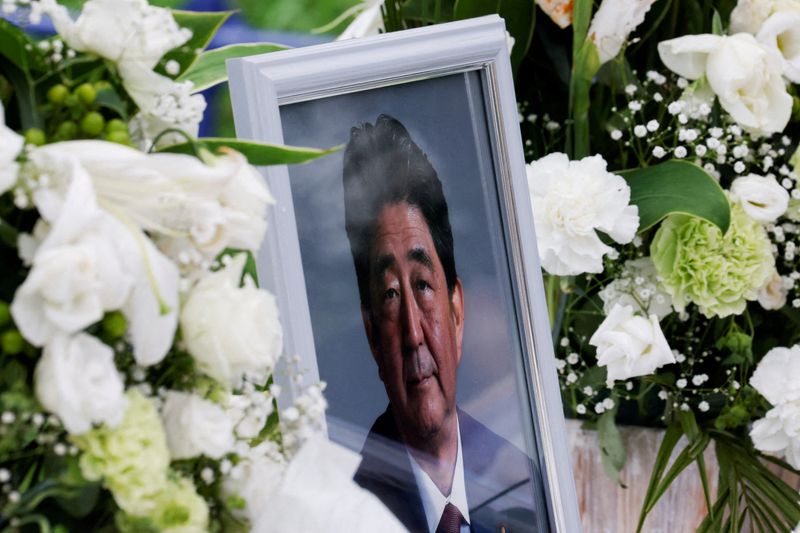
(502, 484)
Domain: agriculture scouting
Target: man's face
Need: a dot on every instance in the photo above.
(414, 326)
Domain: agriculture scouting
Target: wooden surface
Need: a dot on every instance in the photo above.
(606, 507)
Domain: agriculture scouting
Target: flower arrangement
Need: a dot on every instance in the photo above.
(662, 140)
(127, 400)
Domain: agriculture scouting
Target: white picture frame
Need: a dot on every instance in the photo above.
(263, 86)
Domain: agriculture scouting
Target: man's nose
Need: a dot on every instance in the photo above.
(412, 329)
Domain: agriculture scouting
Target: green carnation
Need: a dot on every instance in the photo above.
(176, 509)
(132, 458)
(719, 273)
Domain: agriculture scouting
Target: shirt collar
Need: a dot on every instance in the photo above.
(433, 501)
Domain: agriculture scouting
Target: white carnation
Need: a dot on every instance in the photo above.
(778, 432)
(764, 199)
(77, 380)
(777, 376)
(572, 201)
(195, 426)
(226, 353)
(630, 345)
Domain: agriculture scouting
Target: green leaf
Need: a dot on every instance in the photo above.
(18, 48)
(209, 69)
(259, 154)
(520, 17)
(677, 187)
(612, 447)
(586, 63)
(671, 437)
(465, 9)
(108, 98)
(203, 26)
(738, 343)
(716, 24)
(422, 11)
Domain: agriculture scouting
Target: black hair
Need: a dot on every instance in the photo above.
(383, 166)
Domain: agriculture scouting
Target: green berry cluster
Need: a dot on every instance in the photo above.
(11, 341)
(74, 113)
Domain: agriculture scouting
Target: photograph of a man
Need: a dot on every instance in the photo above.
(433, 465)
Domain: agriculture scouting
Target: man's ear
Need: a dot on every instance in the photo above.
(366, 317)
(457, 312)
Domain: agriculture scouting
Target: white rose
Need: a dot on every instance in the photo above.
(10, 147)
(228, 353)
(745, 76)
(78, 273)
(77, 380)
(777, 377)
(781, 32)
(772, 295)
(316, 492)
(195, 426)
(779, 432)
(764, 199)
(629, 345)
(572, 200)
(613, 23)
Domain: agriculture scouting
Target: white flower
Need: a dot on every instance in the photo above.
(647, 296)
(195, 426)
(79, 270)
(128, 32)
(368, 21)
(226, 353)
(77, 380)
(745, 76)
(248, 413)
(559, 11)
(781, 32)
(572, 200)
(315, 493)
(762, 198)
(125, 258)
(629, 345)
(773, 294)
(613, 22)
(10, 146)
(777, 376)
(779, 432)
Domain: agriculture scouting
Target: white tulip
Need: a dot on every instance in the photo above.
(630, 345)
(195, 426)
(764, 199)
(744, 74)
(10, 147)
(77, 380)
(613, 23)
(572, 200)
(229, 353)
(777, 376)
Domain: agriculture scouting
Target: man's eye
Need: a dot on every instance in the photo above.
(422, 285)
(390, 293)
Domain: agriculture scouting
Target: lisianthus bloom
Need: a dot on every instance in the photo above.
(613, 23)
(630, 345)
(572, 201)
(745, 75)
(763, 198)
(772, 295)
(719, 273)
(776, 24)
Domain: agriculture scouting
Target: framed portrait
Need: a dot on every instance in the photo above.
(406, 272)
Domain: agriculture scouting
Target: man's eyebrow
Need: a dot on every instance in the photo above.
(384, 262)
(419, 255)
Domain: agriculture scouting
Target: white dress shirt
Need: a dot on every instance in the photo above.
(433, 501)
